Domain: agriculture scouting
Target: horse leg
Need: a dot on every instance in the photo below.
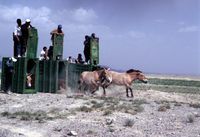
(131, 92)
(127, 92)
(94, 89)
(104, 91)
(80, 84)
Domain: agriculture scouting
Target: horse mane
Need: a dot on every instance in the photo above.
(97, 68)
(133, 70)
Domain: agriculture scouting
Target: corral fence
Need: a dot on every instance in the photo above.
(47, 76)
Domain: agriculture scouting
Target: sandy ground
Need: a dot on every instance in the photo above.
(149, 114)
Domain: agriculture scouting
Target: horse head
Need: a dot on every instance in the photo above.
(141, 77)
(105, 77)
(137, 74)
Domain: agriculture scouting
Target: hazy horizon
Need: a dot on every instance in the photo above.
(154, 36)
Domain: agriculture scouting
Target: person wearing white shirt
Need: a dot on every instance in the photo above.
(17, 38)
(44, 54)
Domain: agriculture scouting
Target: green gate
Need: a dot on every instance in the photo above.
(94, 51)
(57, 46)
(22, 68)
(74, 71)
(32, 43)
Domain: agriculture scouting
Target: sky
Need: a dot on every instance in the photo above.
(154, 36)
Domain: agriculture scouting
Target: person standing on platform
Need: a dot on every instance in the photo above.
(87, 48)
(25, 35)
(17, 38)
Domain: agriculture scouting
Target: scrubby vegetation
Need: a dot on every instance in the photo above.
(170, 85)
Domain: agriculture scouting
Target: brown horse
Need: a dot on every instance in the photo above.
(94, 79)
(126, 79)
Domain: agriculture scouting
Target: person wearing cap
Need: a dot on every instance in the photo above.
(17, 38)
(25, 34)
(57, 31)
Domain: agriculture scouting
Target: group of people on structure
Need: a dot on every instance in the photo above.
(86, 51)
(20, 37)
(87, 47)
(47, 54)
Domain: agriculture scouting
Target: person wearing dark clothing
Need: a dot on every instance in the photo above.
(50, 52)
(79, 59)
(93, 36)
(9, 73)
(25, 34)
(17, 38)
(87, 48)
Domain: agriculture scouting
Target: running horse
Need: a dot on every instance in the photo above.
(126, 79)
(94, 79)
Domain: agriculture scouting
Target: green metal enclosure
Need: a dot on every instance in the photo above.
(57, 46)
(74, 71)
(94, 51)
(22, 68)
(48, 76)
(32, 43)
(58, 75)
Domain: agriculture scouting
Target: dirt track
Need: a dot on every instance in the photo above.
(149, 114)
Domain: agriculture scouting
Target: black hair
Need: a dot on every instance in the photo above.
(44, 48)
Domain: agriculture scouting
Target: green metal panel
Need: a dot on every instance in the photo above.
(74, 71)
(44, 72)
(48, 76)
(22, 67)
(94, 51)
(62, 75)
(54, 76)
(58, 47)
(32, 43)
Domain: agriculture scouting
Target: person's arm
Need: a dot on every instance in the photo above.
(15, 34)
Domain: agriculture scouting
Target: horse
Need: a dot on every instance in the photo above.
(29, 80)
(126, 79)
(94, 79)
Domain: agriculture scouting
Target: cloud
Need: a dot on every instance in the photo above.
(39, 16)
(189, 29)
(44, 17)
(137, 34)
(11, 13)
(83, 15)
(159, 21)
(181, 23)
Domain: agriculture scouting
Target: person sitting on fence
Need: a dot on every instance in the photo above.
(44, 54)
(69, 59)
(93, 36)
(57, 31)
(79, 59)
